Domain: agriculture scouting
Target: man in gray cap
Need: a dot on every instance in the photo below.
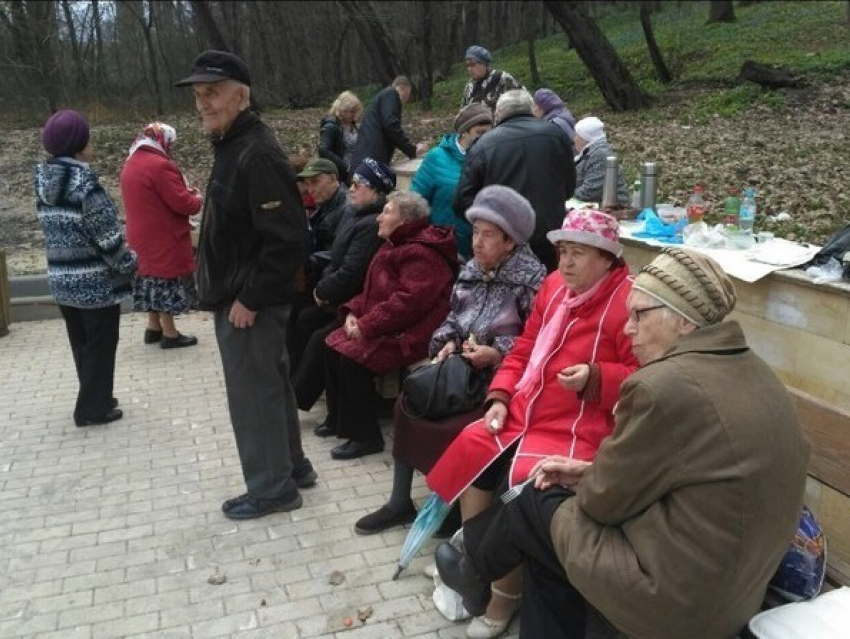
(485, 83)
(252, 246)
(676, 527)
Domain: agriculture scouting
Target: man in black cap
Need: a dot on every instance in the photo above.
(251, 248)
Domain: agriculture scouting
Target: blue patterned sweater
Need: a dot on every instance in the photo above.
(88, 261)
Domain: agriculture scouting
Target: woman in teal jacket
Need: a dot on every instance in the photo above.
(438, 175)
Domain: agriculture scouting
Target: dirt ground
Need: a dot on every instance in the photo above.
(798, 155)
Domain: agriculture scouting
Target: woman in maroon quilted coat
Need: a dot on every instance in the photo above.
(389, 325)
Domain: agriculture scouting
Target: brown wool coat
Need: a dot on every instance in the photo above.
(680, 523)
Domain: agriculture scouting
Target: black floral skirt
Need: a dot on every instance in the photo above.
(164, 295)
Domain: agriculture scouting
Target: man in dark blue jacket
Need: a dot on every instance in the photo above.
(251, 249)
(380, 132)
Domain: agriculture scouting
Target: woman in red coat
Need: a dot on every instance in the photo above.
(389, 325)
(157, 204)
(555, 392)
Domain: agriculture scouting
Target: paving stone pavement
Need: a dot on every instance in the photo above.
(113, 531)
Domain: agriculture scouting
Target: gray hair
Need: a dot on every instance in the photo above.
(412, 206)
(513, 102)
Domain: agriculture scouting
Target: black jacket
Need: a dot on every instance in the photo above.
(380, 132)
(532, 157)
(332, 145)
(326, 218)
(253, 231)
(354, 247)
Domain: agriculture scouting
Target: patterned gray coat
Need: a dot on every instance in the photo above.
(88, 261)
(493, 305)
(590, 174)
(489, 88)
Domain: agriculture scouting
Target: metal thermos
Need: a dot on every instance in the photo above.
(609, 187)
(648, 185)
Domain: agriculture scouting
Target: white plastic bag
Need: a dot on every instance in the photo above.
(827, 616)
(447, 601)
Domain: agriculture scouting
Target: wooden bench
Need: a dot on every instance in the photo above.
(828, 430)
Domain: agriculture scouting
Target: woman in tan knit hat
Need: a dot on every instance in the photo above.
(678, 524)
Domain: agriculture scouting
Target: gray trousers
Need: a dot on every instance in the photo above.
(262, 404)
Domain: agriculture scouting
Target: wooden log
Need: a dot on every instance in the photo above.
(770, 76)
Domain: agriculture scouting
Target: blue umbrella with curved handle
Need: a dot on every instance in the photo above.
(429, 519)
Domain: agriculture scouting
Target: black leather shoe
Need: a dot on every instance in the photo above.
(112, 415)
(352, 449)
(457, 573)
(152, 336)
(383, 519)
(304, 475)
(247, 507)
(324, 430)
(181, 341)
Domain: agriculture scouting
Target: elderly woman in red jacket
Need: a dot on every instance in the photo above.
(555, 391)
(157, 204)
(389, 324)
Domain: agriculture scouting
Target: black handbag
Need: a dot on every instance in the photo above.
(440, 390)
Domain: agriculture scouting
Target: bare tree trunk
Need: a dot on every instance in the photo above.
(376, 37)
(530, 20)
(661, 70)
(848, 14)
(99, 66)
(426, 80)
(79, 68)
(208, 25)
(614, 80)
(148, 22)
(470, 24)
(721, 11)
(39, 24)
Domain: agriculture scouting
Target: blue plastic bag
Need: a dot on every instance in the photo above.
(802, 570)
(656, 229)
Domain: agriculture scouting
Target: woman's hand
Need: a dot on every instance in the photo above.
(494, 419)
(352, 328)
(481, 356)
(558, 470)
(449, 348)
(575, 377)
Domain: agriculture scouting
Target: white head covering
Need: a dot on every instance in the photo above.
(591, 129)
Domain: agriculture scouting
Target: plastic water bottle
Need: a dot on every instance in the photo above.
(747, 213)
(696, 205)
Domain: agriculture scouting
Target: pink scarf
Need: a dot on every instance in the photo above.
(552, 329)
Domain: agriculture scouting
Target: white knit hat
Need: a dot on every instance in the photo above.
(590, 129)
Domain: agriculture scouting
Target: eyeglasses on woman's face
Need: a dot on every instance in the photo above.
(636, 314)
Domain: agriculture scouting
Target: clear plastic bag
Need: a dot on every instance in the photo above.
(447, 601)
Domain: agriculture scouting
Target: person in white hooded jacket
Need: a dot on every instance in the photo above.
(591, 145)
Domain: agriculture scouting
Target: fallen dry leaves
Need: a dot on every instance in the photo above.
(797, 155)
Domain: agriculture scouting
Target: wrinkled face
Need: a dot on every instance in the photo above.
(473, 133)
(652, 327)
(581, 265)
(322, 187)
(490, 245)
(475, 70)
(389, 220)
(219, 103)
(579, 143)
(360, 194)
